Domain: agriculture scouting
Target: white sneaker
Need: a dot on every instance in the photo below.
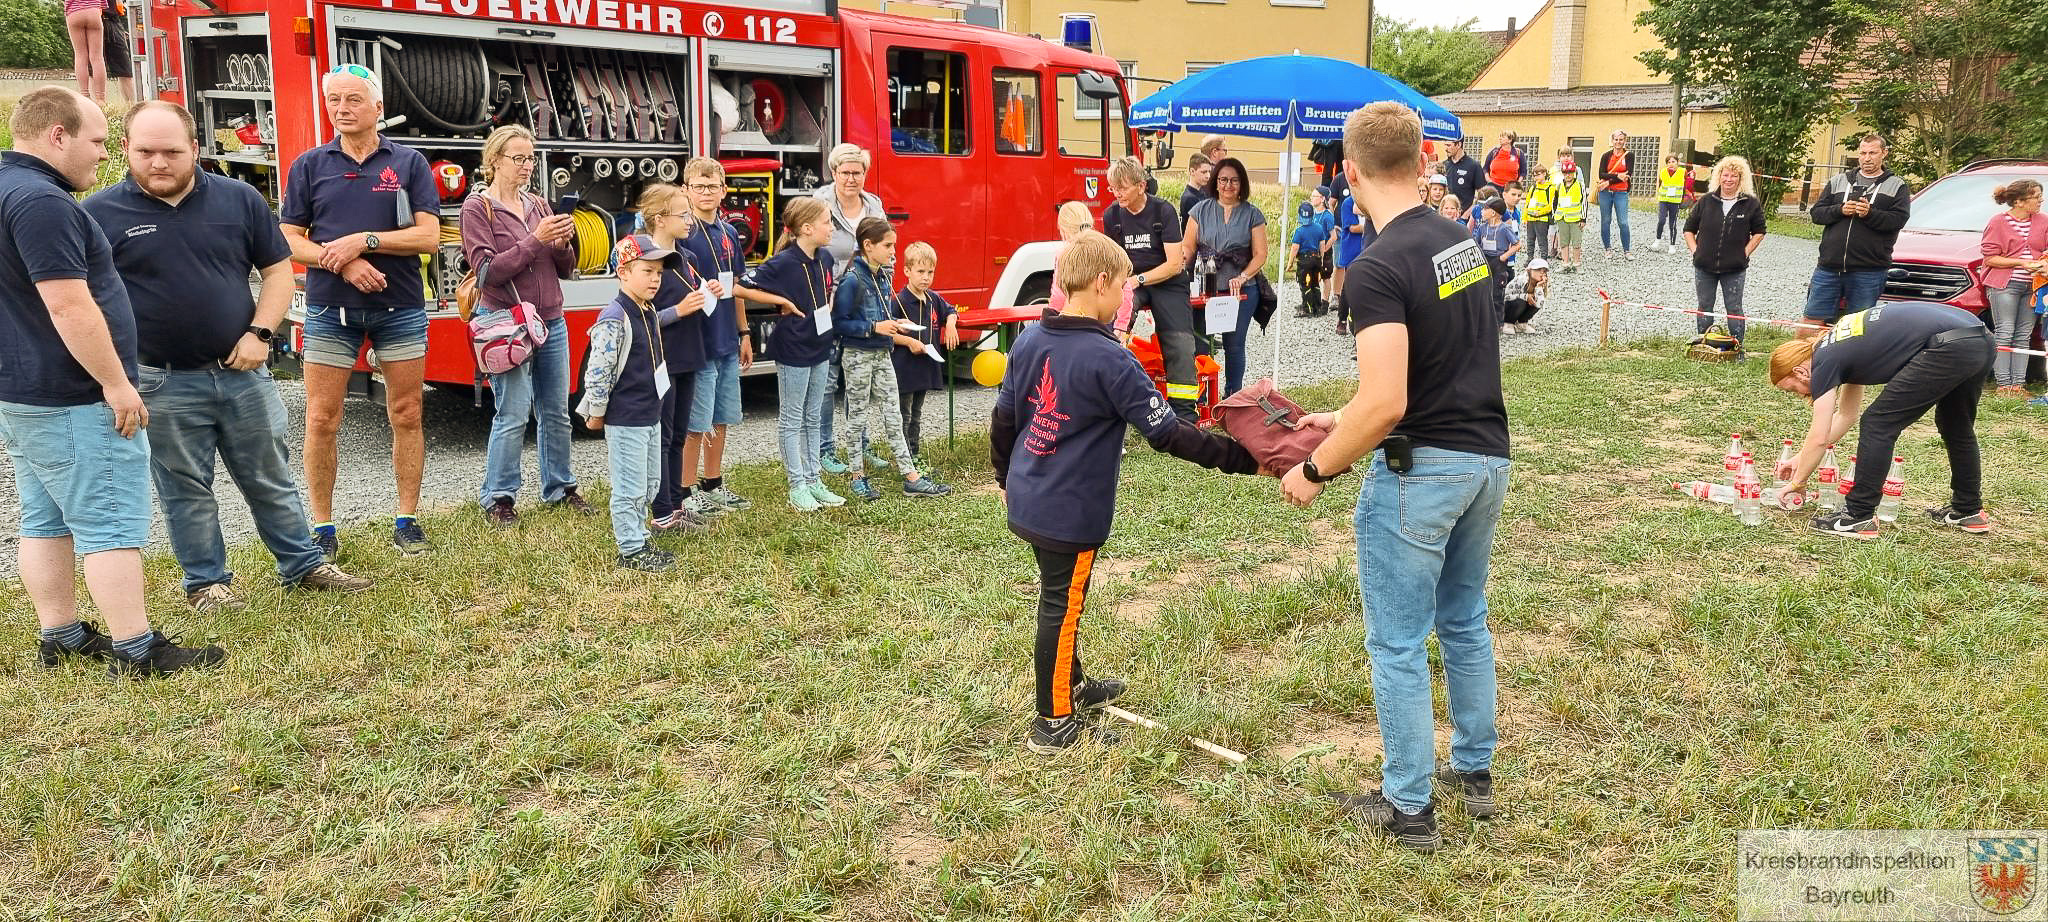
(1523, 328)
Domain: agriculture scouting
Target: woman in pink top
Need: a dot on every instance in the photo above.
(88, 46)
(2013, 247)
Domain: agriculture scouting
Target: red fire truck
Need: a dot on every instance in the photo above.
(976, 134)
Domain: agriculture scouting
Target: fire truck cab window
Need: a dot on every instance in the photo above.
(928, 102)
(1020, 121)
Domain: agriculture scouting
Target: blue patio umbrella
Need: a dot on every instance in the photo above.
(1285, 96)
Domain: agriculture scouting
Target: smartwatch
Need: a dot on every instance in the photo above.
(1315, 474)
(370, 242)
(263, 333)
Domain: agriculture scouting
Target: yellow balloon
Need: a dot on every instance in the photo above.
(988, 368)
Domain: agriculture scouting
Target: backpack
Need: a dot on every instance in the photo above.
(1269, 426)
(503, 340)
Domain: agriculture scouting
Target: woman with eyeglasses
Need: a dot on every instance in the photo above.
(847, 201)
(1231, 231)
(520, 251)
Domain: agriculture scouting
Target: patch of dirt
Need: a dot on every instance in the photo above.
(1528, 645)
(909, 843)
(439, 815)
(1329, 545)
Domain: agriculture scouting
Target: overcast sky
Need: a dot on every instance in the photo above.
(1492, 14)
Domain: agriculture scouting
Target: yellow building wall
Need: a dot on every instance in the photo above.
(1612, 41)
(1525, 62)
(1163, 36)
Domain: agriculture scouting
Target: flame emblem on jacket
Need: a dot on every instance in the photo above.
(1042, 436)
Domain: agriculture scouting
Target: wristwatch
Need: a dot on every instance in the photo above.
(1315, 474)
(263, 333)
(370, 242)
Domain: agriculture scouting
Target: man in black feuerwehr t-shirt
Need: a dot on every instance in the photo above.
(1149, 231)
(1430, 414)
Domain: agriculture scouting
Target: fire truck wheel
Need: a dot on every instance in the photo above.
(1035, 290)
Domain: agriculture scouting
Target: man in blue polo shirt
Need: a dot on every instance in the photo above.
(359, 211)
(184, 242)
(69, 413)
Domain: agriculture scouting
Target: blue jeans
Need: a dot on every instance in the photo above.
(1668, 217)
(717, 395)
(193, 415)
(1613, 206)
(1730, 285)
(538, 390)
(1852, 291)
(804, 391)
(632, 454)
(1233, 342)
(335, 335)
(78, 478)
(1424, 539)
(832, 386)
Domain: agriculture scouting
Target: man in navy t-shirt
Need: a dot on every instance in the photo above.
(70, 416)
(1430, 418)
(184, 243)
(359, 211)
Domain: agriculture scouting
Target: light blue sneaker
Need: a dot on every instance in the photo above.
(2041, 401)
(823, 496)
(865, 490)
(801, 498)
(828, 461)
(925, 486)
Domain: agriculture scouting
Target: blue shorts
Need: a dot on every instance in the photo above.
(77, 476)
(717, 401)
(335, 335)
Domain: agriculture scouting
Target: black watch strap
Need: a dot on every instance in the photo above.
(262, 333)
(1316, 475)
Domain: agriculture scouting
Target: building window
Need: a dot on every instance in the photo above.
(1317, 4)
(1196, 67)
(928, 102)
(1531, 148)
(1646, 151)
(1021, 121)
(1474, 146)
(1085, 108)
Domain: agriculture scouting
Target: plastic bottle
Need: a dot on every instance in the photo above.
(1748, 494)
(1711, 492)
(1825, 482)
(1894, 491)
(1731, 463)
(1785, 455)
(1846, 483)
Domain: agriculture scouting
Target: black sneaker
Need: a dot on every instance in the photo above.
(1050, 736)
(648, 560)
(1976, 523)
(1094, 692)
(500, 513)
(1414, 830)
(97, 646)
(165, 656)
(575, 501)
(1843, 525)
(409, 538)
(1475, 791)
(329, 544)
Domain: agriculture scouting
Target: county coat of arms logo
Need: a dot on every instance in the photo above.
(2005, 873)
(1092, 184)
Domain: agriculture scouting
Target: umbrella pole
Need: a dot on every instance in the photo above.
(1287, 217)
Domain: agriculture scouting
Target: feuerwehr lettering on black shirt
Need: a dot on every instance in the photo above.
(1869, 347)
(1425, 272)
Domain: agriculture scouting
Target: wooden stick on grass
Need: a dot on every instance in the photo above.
(1228, 755)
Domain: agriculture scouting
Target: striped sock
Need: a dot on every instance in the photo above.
(136, 647)
(70, 636)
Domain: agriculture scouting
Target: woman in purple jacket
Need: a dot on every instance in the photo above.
(520, 250)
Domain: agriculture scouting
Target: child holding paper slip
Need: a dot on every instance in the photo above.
(798, 279)
(921, 370)
(863, 310)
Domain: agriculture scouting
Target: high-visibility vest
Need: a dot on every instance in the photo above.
(1571, 202)
(1671, 185)
(1542, 198)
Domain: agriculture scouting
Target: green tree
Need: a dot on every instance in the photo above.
(1772, 61)
(35, 35)
(1950, 84)
(1432, 59)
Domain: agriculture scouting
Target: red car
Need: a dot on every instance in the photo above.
(1937, 257)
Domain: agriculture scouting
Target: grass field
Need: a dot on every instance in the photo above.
(823, 719)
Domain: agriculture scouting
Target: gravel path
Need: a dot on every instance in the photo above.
(1311, 351)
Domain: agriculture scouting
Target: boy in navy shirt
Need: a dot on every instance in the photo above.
(1305, 252)
(624, 381)
(1056, 441)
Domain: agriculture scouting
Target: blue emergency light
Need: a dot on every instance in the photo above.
(1077, 31)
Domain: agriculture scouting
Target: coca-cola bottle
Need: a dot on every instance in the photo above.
(1786, 454)
(1711, 492)
(1748, 494)
(1846, 483)
(1731, 463)
(1825, 482)
(1894, 491)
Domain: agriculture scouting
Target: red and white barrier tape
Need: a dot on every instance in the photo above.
(1802, 324)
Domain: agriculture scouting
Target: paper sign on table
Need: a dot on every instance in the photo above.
(933, 351)
(1220, 314)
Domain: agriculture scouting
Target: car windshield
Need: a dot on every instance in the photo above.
(1960, 203)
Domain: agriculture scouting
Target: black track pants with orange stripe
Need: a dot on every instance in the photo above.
(1056, 658)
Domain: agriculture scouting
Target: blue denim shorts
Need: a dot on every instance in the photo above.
(717, 401)
(335, 335)
(77, 476)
